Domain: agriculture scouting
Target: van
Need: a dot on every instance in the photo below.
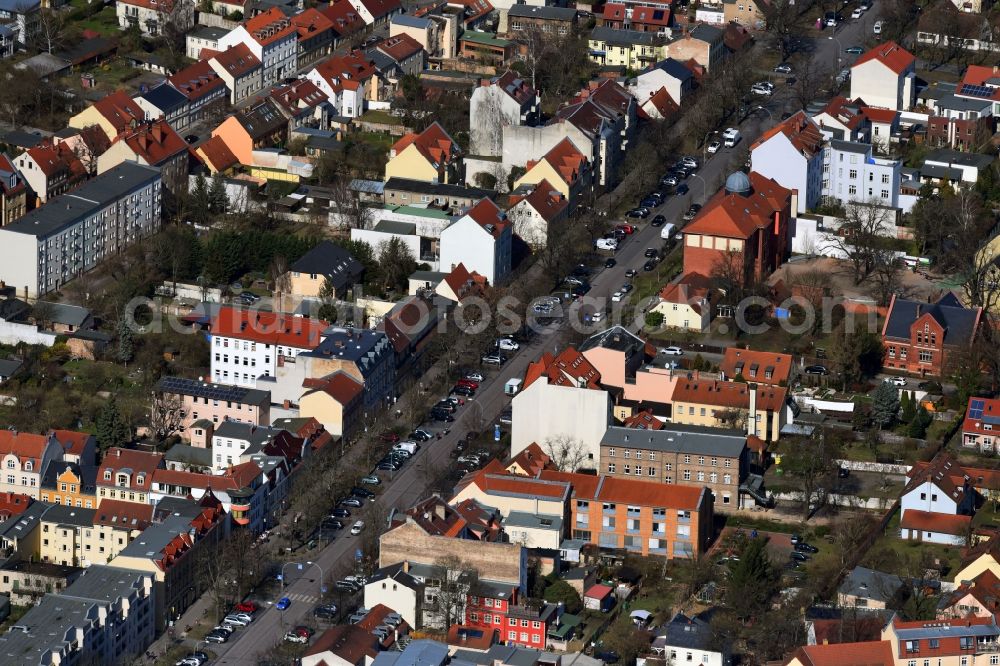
(409, 447)
(668, 231)
(731, 137)
(512, 386)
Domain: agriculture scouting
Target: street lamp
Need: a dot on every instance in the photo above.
(764, 108)
(704, 186)
(302, 565)
(840, 48)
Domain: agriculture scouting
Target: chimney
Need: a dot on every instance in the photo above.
(439, 510)
(752, 411)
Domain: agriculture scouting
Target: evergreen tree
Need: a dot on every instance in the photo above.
(126, 343)
(752, 580)
(919, 424)
(885, 404)
(111, 427)
(218, 200)
(907, 409)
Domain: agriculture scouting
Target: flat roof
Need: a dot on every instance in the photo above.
(679, 438)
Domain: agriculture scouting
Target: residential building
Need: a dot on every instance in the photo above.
(749, 13)
(346, 21)
(511, 495)
(69, 484)
(791, 153)
(106, 616)
(151, 17)
(343, 645)
(8, 42)
(377, 12)
(504, 100)
(273, 40)
(759, 410)
(759, 367)
(981, 427)
(50, 170)
(327, 262)
(640, 18)
(629, 49)
(431, 156)
(114, 113)
(404, 192)
(486, 48)
(303, 104)
(126, 475)
(937, 503)
(746, 223)
(350, 81)
(241, 71)
(564, 168)
(13, 192)
(116, 525)
(436, 30)
(203, 88)
(481, 241)
(704, 44)
(184, 532)
(547, 20)
(202, 38)
(57, 242)
(691, 639)
(951, 642)
(23, 18)
(24, 457)
(687, 304)
(216, 156)
(979, 597)
(152, 144)
(399, 56)
(538, 214)
(659, 105)
(163, 102)
(472, 13)
(315, 36)
(180, 403)
(259, 125)
(885, 77)
(853, 174)
(669, 74)
(335, 401)
(62, 534)
(971, 165)
(561, 397)
(866, 653)
(394, 588)
(842, 119)
(640, 516)
(868, 589)
(919, 337)
(685, 455)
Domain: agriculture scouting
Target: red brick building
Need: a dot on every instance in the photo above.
(746, 223)
(496, 607)
(919, 336)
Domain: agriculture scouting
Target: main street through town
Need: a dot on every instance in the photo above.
(303, 586)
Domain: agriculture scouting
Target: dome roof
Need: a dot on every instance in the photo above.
(738, 183)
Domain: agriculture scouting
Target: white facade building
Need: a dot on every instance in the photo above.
(543, 411)
(71, 234)
(791, 154)
(273, 40)
(852, 173)
(232, 440)
(150, 16)
(506, 100)
(885, 77)
(481, 240)
(670, 74)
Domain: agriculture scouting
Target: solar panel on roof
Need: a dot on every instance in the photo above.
(976, 91)
(992, 420)
(976, 409)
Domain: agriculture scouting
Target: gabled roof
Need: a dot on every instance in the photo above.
(691, 289)
(879, 115)
(399, 47)
(620, 490)
(473, 9)
(433, 143)
(869, 653)
(310, 23)
(268, 327)
(531, 459)
(120, 110)
(344, 17)
(237, 60)
(567, 161)
(348, 71)
(197, 81)
(662, 102)
(509, 485)
(890, 54)
(569, 368)
(866, 583)
(155, 142)
(547, 201)
(55, 159)
(800, 130)
(269, 27)
(643, 421)
(980, 414)
(216, 154)
(846, 112)
(26, 446)
(736, 215)
(756, 365)
(728, 395)
(407, 323)
(124, 515)
(340, 386)
(261, 119)
(298, 96)
(13, 504)
(651, 16)
(332, 261)
(940, 523)
(380, 8)
(139, 465)
(489, 216)
(960, 323)
(984, 588)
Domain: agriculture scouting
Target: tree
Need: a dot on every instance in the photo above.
(111, 429)
(861, 236)
(457, 579)
(564, 593)
(856, 354)
(230, 570)
(885, 404)
(885, 275)
(126, 343)
(907, 408)
(165, 416)
(328, 307)
(218, 198)
(812, 462)
(348, 211)
(280, 276)
(753, 579)
(780, 24)
(567, 453)
(918, 425)
(809, 80)
(51, 32)
(396, 263)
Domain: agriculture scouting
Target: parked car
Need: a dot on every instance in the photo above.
(692, 211)
(216, 637)
(461, 389)
(641, 213)
(358, 528)
(333, 524)
(626, 288)
(658, 221)
(672, 350)
(326, 611)
(371, 480)
(389, 436)
(783, 68)
(896, 381)
(799, 557)
(444, 417)
(854, 50)
(245, 607)
(610, 262)
(631, 273)
(475, 376)
(670, 179)
(424, 436)
(297, 636)
(857, 13)
(649, 266)
(804, 547)
(713, 146)
(283, 603)
(235, 621)
(627, 228)
(352, 502)
(340, 513)
(493, 359)
(617, 297)
(506, 344)
(816, 370)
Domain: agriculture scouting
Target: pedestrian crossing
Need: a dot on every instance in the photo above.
(305, 598)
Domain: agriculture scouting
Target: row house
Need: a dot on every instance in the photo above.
(127, 475)
(260, 125)
(949, 642)
(116, 524)
(760, 367)
(69, 484)
(498, 608)
(188, 401)
(303, 104)
(203, 88)
(397, 57)
(63, 529)
(760, 411)
(481, 241)
(539, 213)
(640, 18)
(13, 192)
(114, 113)
(565, 169)
(50, 170)
(346, 21)
(273, 40)
(240, 490)
(349, 82)
(87, 144)
(153, 144)
(167, 102)
(852, 172)
(527, 19)
(72, 234)
(24, 458)
(151, 17)
(981, 427)
(919, 337)
(885, 76)
(315, 36)
(241, 71)
(431, 156)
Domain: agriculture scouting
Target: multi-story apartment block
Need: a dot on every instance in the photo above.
(981, 428)
(113, 113)
(247, 344)
(24, 458)
(127, 474)
(758, 410)
(951, 642)
(232, 440)
(686, 455)
(69, 484)
(51, 245)
(152, 144)
(240, 69)
(852, 173)
(116, 525)
(204, 91)
(63, 529)
(104, 617)
(273, 40)
(13, 192)
(150, 16)
(791, 153)
(197, 400)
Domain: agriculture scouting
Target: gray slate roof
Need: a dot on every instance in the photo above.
(691, 633)
(550, 13)
(680, 439)
(870, 584)
(332, 261)
(949, 156)
(624, 37)
(958, 322)
(410, 21)
(439, 189)
(850, 146)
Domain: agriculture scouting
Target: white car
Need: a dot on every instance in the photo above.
(672, 350)
(506, 344)
(896, 381)
(689, 162)
(617, 297)
(606, 244)
(762, 88)
(857, 13)
(357, 528)
(714, 146)
(474, 376)
(597, 317)
(293, 637)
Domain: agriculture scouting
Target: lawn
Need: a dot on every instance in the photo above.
(104, 22)
(382, 117)
(376, 139)
(948, 558)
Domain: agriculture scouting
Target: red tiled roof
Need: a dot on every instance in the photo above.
(380, 8)
(474, 9)
(345, 19)
(613, 11)
(801, 131)
(569, 368)
(742, 361)
(663, 103)
(299, 95)
(734, 215)
(433, 143)
(486, 213)
(13, 504)
(471, 637)
(584, 485)
(237, 60)
(984, 588)
(509, 484)
(461, 280)
(268, 328)
(72, 442)
(568, 162)
(531, 459)
(628, 491)
(978, 75)
(515, 86)
(890, 54)
(340, 386)
(154, 142)
(651, 16)
(435, 517)
(269, 27)
(135, 463)
(310, 23)
(120, 110)
(598, 591)
(879, 115)
(728, 394)
(53, 159)
(873, 653)
(126, 515)
(929, 521)
(348, 71)
(400, 47)
(691, 289)
(216, 153)
(197, 81)
(943, 471)
(988, 414)
(26, 446)
(349, 643)
(643, 421)
(547, 201)
(844, 111)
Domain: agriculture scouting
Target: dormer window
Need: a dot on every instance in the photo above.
(28, 466)
(11, 464)
(140, 479)
(122, 480)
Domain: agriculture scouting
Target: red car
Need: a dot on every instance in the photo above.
(389, 436)
(468, 382)
(245, 607)
(627, 228)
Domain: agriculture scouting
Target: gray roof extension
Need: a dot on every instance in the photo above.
(706, 33)
(949, 157)
(867, 583)
(211, 391)
(547, 13)
(851, 147)
(959, 323)
(438, 189)
(332, 261)
(681, 439)
(614, 37)
(533, 521)
(410, 21)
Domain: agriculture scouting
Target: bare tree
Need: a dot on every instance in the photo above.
(862, 236)
(886, 275)
(780, 24)
(567, 453)
(230, 571)
(489, 120)
(165, 417)
(456, 580)
(809, 80)
(50, 31)
(280, 276)
(348, 211)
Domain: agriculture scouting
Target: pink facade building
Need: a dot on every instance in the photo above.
(204, 405)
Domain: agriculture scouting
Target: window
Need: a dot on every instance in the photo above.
(638, 470)
(687, 475)
(727, 479)
(611, 453)
(852, 189)
(701, 476)
(885, 179)
(853, 174)
(611, 468)
(626, 469)
(925, 357)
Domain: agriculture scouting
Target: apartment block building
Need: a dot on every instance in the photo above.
(24, 458)
(75, 232)
(197, 400)
(273, 40)
(127, 474)
(686, 455)
(852, 173)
